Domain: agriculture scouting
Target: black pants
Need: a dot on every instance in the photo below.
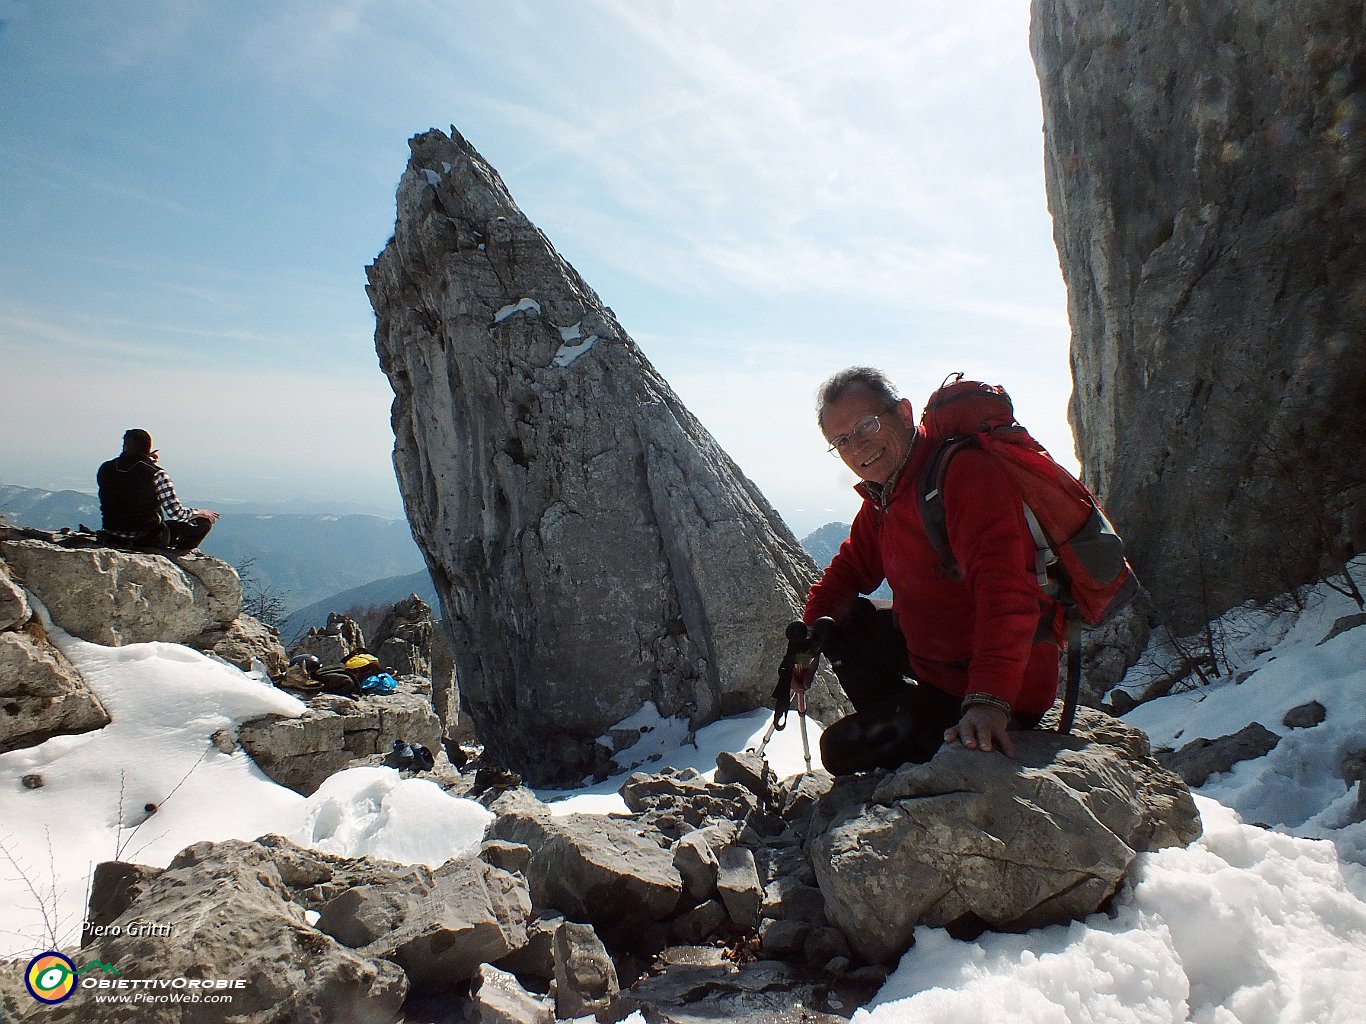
(174, 536)
(896, 720)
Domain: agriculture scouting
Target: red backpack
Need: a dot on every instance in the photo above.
(1079, 558)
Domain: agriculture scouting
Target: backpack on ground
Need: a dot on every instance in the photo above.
(1079, 558)
(362, 664)
(369, 674)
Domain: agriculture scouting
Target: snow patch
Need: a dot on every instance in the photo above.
(522, 306)
(375, 812)
(568, 354)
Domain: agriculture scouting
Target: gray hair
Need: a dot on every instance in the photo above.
(855, 378)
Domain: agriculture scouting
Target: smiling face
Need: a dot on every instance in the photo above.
(877, 456)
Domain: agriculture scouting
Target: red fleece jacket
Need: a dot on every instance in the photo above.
(970, 635)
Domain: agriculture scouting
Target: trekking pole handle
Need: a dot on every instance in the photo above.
(821, 629)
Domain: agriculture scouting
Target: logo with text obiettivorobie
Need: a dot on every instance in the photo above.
(50, 977)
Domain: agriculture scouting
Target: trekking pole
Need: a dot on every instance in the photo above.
(804, 674)
(795, 675)
(782, 693)
(801, 722)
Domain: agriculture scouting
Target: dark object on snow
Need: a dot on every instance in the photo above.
(1306, 716)
(1343, 624)
(1199, 759)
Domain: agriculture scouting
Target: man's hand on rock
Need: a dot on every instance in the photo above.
(983, 727)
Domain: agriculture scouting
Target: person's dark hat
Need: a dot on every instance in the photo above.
(137, 442)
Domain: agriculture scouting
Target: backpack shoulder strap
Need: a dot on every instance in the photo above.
(931, 492)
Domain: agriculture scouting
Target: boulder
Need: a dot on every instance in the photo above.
(403, 639)
(328, 648)
(114, 597)
(1109, 649)
(798, 795)
(535, 959)
(244, 641)
(439, 926)
(1343, 624)
(1201, 162)
(41, 693)
(677, 801)
(337, 732)
(412, 642)
(749, 769)
(589, 541)
(1199, 759)
(697, 864)
(702, 985)
(497, 997)
(14, 608)
(699, 923)
(1305, 716)
(971, 840)
(1352, 768)
(222, 911)
(603, 871)
(793, 898)
(114, 887)
(737, 883)
(585, 977)
(505, 855)
(782, 938)
(14, 995)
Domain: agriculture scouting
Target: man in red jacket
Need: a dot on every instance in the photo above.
(953, 659)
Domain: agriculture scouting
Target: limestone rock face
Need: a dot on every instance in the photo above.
(403, 641)
(1203, 162)
(338, 732)
(243, 641)
(592, 546)
(116, 597)
(231, 915)
(14, 609)
(974, 840)
(41, 694)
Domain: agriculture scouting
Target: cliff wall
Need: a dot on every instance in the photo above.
(1204, 164)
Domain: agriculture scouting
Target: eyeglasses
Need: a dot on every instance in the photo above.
(863, 429)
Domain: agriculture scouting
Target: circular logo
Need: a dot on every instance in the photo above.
(51, 977)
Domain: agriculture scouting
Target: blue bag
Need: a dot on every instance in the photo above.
(378, 684)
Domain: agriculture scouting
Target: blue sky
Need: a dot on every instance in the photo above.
(763, 192)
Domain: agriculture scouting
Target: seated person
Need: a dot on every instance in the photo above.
(962, 660)
(139, 504)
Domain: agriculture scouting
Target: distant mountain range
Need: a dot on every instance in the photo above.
(314, 564)
(822, 544)
(298, 558)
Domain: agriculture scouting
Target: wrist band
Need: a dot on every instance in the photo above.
(985, 700)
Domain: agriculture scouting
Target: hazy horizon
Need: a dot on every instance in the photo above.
(762, 193)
